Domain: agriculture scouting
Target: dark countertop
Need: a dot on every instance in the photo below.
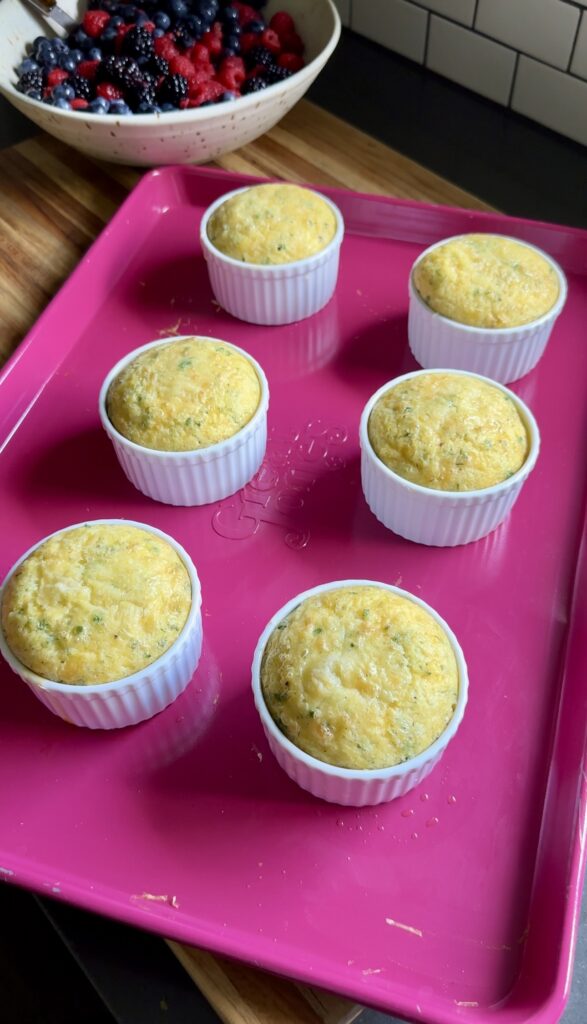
(103, 971)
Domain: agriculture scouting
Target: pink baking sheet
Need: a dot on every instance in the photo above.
(459, 900)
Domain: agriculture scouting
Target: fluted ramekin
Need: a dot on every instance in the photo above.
(434, 517)
(355, 787)
(193, 477)
(138, 696)
(276, 294)
(505, 354)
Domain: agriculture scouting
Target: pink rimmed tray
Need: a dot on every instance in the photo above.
(458, 901)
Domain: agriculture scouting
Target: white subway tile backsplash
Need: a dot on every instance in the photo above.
(457, 10)
(542, 28)
(554, 99)
(579, 65)
(344, 9)
(395, 23)
(470, 59)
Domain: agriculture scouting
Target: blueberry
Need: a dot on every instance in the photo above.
(230, 15)
(108, 36)
(119, 107)
(42, 49)
(162, 20)
(194, 25)
(258, 25)
(148, 108)
(82, 39)
(66, 62)
(129, 12)
(27, 65)
(179, 8)
(99, 105)
(61, 103)
(63, 92)
(228, 96)
(142, 19)
(59, 45)
(165, 107)
(95, 53)
(115, 21)
(233, 43)
(35, 94)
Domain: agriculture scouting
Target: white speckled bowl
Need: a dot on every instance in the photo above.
(350, 786)
(188, 136)
(196, 477)
(136, 697)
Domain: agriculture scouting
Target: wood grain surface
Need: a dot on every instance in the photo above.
(54, 201)
(53, 204)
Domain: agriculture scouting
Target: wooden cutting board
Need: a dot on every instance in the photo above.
(53, 204)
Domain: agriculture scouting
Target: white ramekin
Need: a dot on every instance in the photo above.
(277, 294)
(138, 696)
(440, 518)
(194, 477)
(504, 354)
(352, 786)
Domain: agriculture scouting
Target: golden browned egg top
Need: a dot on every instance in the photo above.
(448, 431)
(487, 281)
(271, 224)
(360, 677)
(96, 603)
(184, 395)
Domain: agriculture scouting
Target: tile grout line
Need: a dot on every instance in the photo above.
(514, 76)
(475, 12)
(426, 40)
(574, 46)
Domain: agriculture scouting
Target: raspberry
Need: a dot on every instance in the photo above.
(108, 91)
(232, 73)
(181, 66)
(165, 47)
(56, 77)
(149, 26)
(197, 79)
(248, 40)
(245, 13)
(292, 61)
(282, 23)
(95, 22)
(173, 89)
(213, 43)
(270, 40)
(291, 42)
(208, 92)
(87, 69)
(79, 104)
(198, 54)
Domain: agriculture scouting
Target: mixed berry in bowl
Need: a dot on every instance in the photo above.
(162, 55)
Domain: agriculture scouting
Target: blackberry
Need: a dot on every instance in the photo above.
(82, 87)
(31, 81)
(158, 66)
(183, 37)
(254, 84)
(260, 55)
(137, 43)
(141, 95)
(173, 89)
(122, 71)
(277, 74)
